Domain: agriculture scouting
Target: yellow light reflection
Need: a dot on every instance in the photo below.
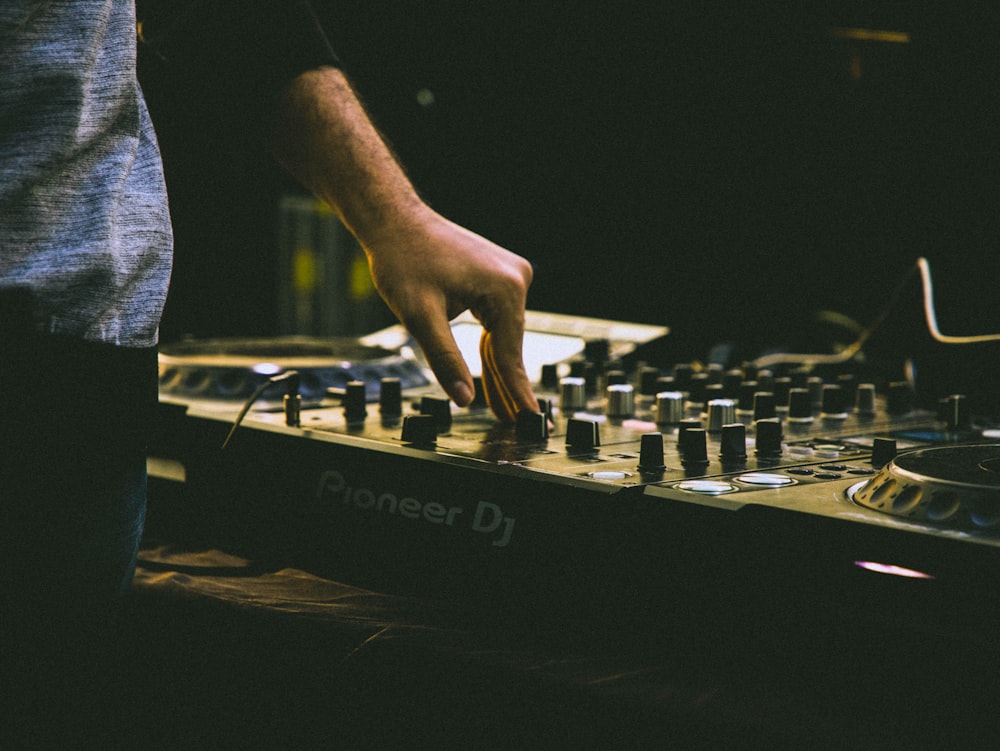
(870, 35)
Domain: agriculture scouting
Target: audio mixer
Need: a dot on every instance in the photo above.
(638, 486)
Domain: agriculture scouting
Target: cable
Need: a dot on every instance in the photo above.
(848, 352)
(928, 288)
(288, 375)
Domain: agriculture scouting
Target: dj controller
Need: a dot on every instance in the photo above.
(639, 489)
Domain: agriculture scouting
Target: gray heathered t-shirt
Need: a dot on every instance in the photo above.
(84, 225)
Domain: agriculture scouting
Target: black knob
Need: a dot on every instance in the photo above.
(815, 386)
(531, 426)
(390, 397)
(849, 383)
(764, 406)
(582, 434)
(883, 451)
(748, 389)
(865, 399)
(688, 423)
(550, 377)
(769, 438)
(697, 388)
(355, 401)
(420, 430)
(615, 377)
(694, 447)
(545, 407)
(781, 388)
(647, 381)
(597, 350)
(651, 452)
(733, 443)
(765, 380)
(731, 381)
(799, 405)
(439, 408)
(682, 376)
(834, 402)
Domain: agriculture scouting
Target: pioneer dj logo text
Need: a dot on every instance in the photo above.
(487, 519)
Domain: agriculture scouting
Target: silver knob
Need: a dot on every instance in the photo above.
(669, 407)
(619, 400)
(720, 412)
(572, 394)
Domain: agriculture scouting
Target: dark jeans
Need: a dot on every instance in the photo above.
(74, 423)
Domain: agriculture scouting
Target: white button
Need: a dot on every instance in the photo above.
(609, 475)
(765, 478)
(706, 487)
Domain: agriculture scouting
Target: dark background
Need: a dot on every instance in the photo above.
(725, 169)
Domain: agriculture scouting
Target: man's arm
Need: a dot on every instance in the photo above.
(427, 268)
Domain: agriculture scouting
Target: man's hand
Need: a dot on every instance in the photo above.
(427, 268)
(432, 270)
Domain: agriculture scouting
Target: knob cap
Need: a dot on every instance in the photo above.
(651, 452)
(693, 447)
(769, 438)
(883, 451)
(582, 434)
(697, 388)
(763, 406)
(390, 397)
(834, 403)
(648, 377)
(733, 444)
(620, 400)
(669, 407)
(549, 377)
(865, 396)
(682, 376)
(420, 430)
(531, 426)
(572, 394)
(612, 377)
(355, 401)
(439, 408)
(765, 380)
(799, 406)
(720, 412)
(748, 389)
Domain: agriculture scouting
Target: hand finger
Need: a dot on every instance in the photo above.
(433, 334)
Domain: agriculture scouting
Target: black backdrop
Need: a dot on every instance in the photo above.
(726, 172)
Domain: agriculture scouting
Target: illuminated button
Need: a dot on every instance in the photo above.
(765, 478)
(609, 475)
(828, 451)
(706, 487)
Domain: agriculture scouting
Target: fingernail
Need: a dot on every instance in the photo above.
(461, 393)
